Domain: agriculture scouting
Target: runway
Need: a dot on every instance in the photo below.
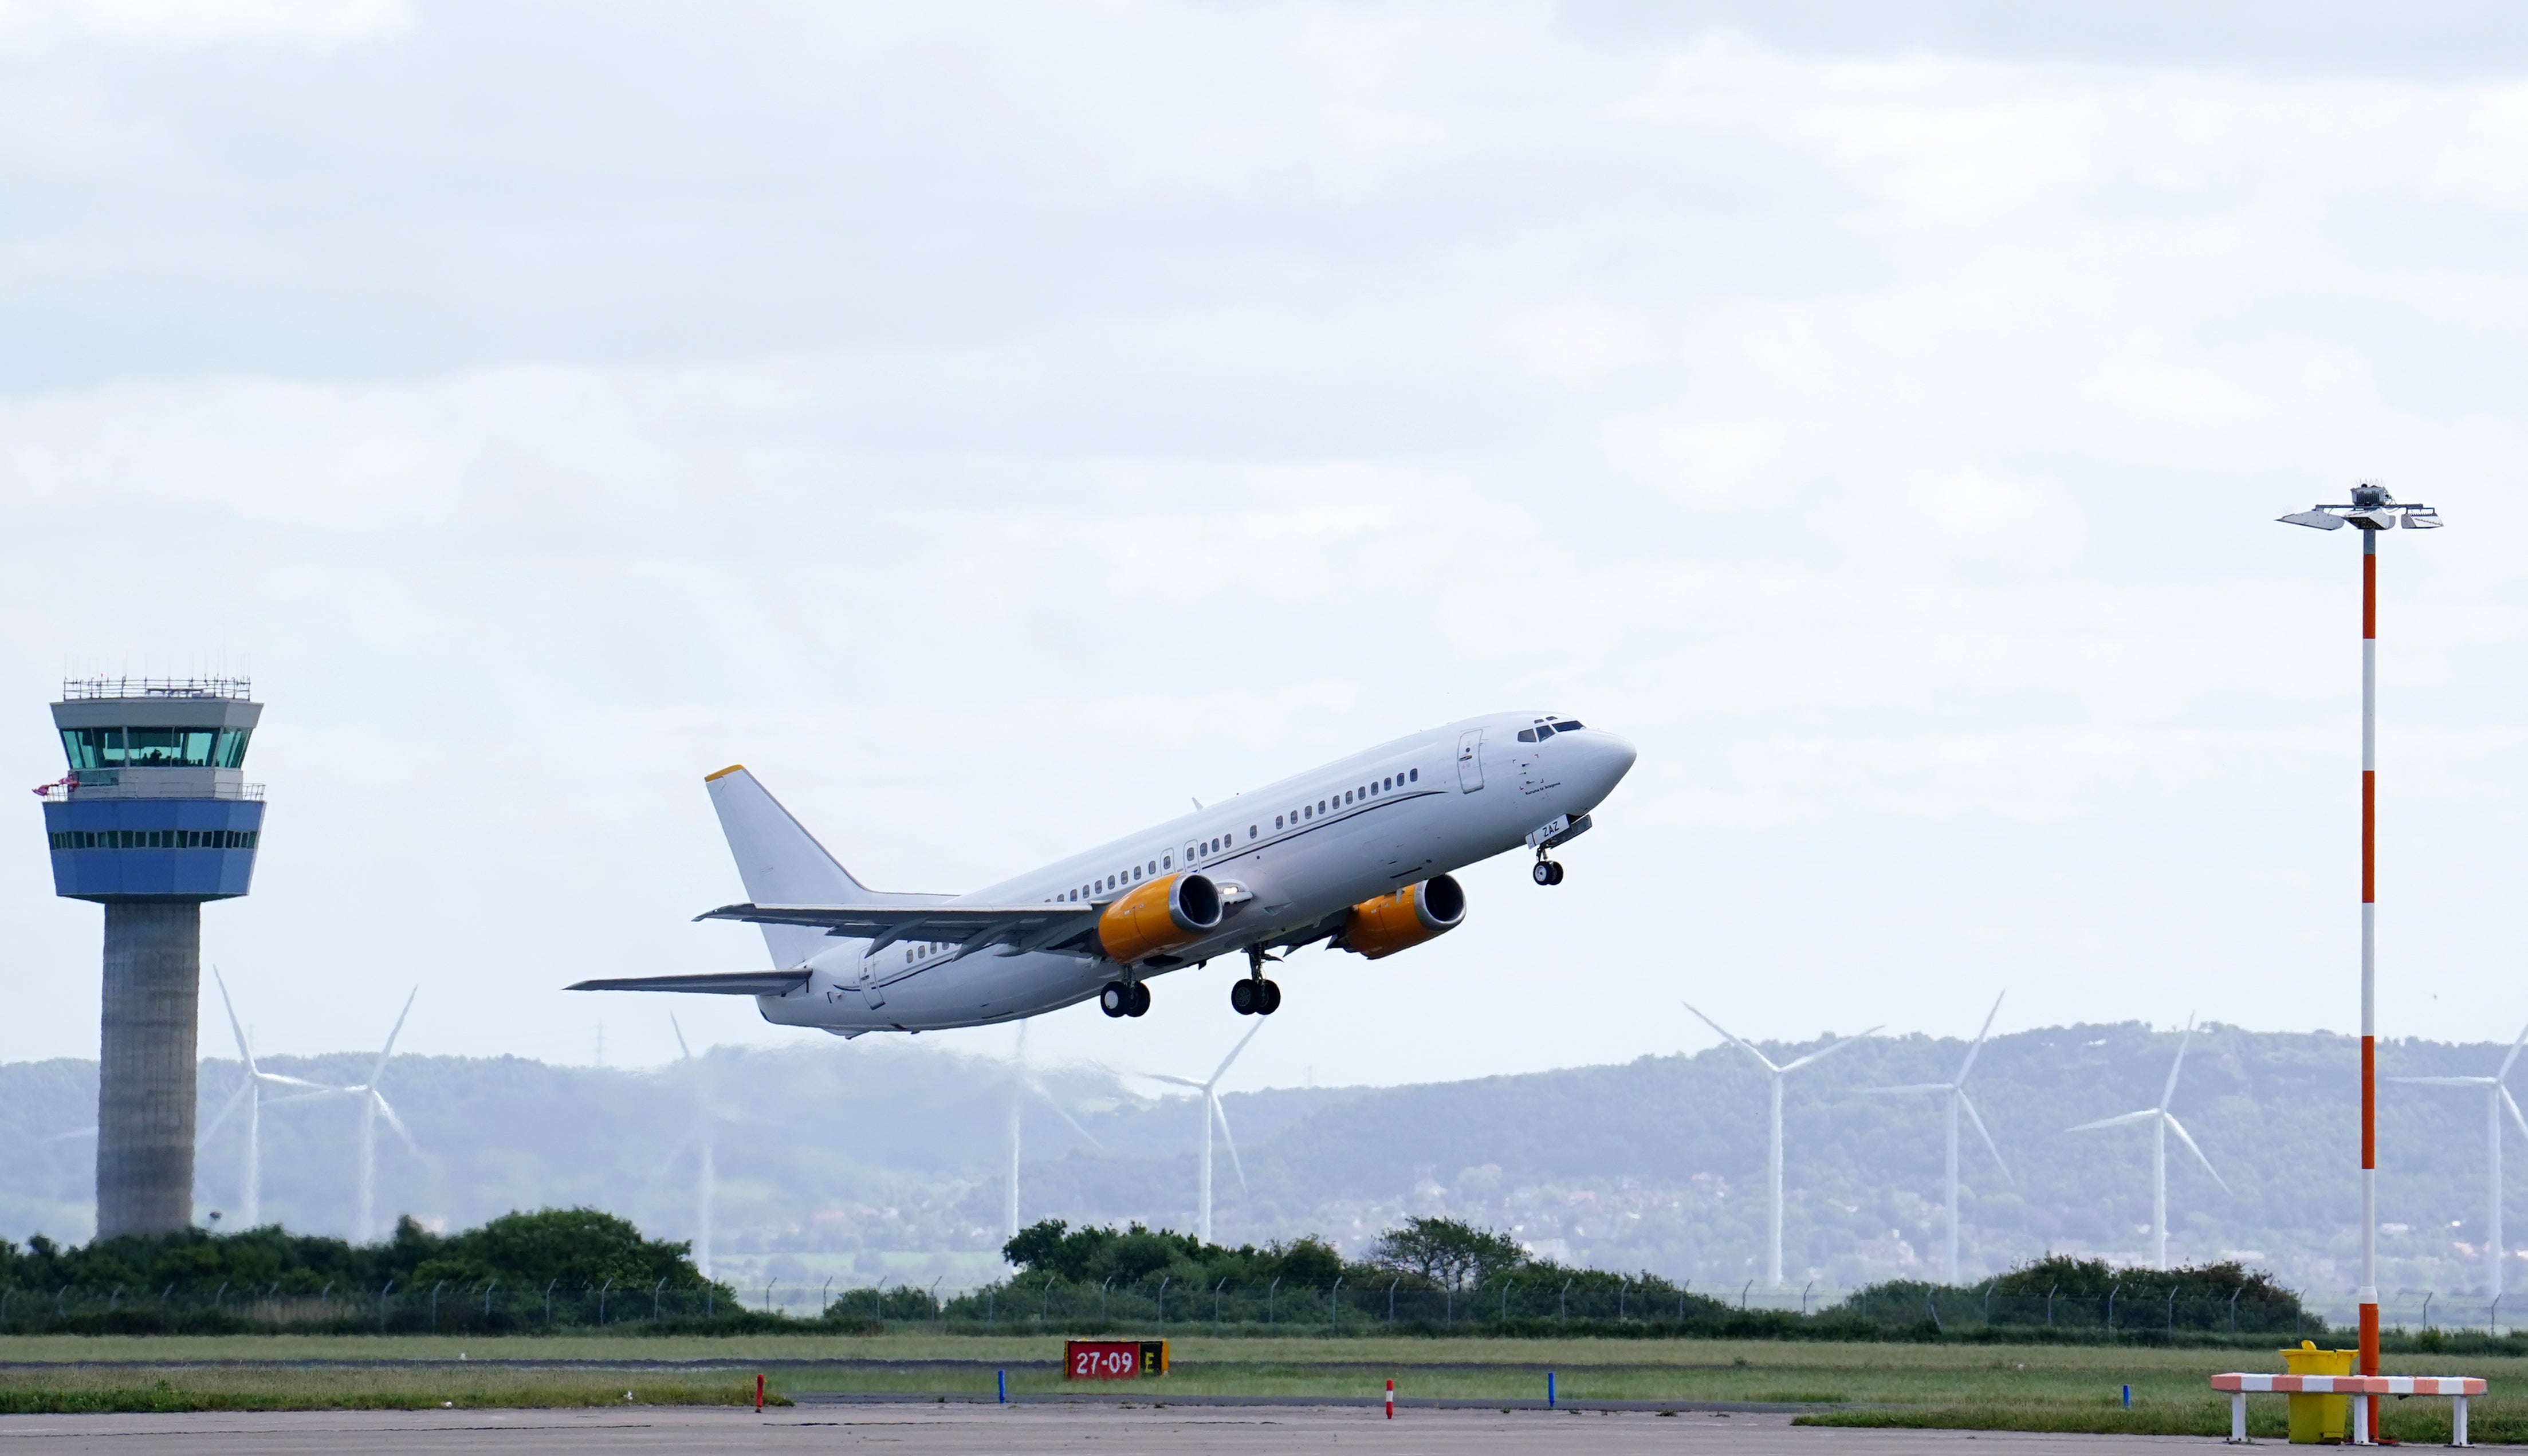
(964, 1429)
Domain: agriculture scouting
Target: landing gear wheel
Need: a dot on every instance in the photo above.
(1241, 995)
(1140, 999)
(1558, 872)
(1271, 997)
(1116, 999)
(1547, 872)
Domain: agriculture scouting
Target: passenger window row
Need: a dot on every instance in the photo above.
(1194, 854)
(1120, 880)
(155, 838)
(1354, 794)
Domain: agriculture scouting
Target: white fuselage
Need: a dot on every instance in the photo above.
(1288, 858)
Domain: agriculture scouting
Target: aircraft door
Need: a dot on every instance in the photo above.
(870, 992)
(1470, 760)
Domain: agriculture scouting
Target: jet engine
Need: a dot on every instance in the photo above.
(1159, 915)
(1411, 915)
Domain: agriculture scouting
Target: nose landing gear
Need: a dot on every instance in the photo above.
(1125, 999)
(1251, 995)
(1547, 872)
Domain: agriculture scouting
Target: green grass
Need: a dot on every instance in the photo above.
(2025, 1387)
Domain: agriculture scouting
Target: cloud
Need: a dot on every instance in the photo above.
(190, 22)
(997, 425)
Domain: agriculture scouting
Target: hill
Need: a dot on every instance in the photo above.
(887, 1159)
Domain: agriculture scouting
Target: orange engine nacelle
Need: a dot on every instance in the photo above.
(1159, 915)
(1409, 917)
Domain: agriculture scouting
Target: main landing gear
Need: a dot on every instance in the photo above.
(1250, 994)
(1547, 872)
(1121, 999)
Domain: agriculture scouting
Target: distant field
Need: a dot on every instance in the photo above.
(2036, 1388)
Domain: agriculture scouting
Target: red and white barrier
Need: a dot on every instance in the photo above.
(2241, 1384)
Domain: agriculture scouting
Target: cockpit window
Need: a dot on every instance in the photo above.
(1527, 735)
(1568, 724)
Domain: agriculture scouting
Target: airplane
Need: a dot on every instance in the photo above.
(1357, 854)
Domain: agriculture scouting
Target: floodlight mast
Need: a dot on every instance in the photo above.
(2373, 511)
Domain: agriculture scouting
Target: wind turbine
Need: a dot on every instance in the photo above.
(700, 1138)
(2163, 1121)
(1022, 1081)
(250, 1094)
(1213, 1112)
(1773, 1166)
(373, 1104)
(1955, 1090)
(2496, 1099)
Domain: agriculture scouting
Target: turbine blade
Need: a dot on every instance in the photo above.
(2514, 1054)
(235, 1099)
(674, 1153)
(1824, 1052)
(683, 1051)
(283, 1079)
(2168, 1093)
(1162, 1077)
(1222, 1070)
(2443, 1081)
(2144, 1115)
(1989, 1145)
(244, 1053)
(2179, 1128)
(1977, 1049)
(2521, 1122)
(1732, 1037)
(63, 1137)
(1030, 1083)
(388, 1108)
(379, 1070)
(309, 1096)
(1222, 1113)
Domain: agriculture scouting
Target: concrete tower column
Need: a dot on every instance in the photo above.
(145, 1073)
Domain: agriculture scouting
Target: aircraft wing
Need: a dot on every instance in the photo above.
(733, 983)
(971, 926)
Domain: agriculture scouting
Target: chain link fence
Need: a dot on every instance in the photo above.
(2140, 1311)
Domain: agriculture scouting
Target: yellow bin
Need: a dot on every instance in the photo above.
(2318, 1419)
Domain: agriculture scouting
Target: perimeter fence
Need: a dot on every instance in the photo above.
(2138, 1312)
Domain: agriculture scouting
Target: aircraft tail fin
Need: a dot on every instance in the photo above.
(781, 863)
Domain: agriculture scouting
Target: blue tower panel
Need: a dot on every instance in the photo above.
(153, 848)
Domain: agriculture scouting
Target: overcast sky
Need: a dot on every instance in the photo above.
(994, 424)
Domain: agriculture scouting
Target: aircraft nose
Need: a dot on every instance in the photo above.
(1611, 757)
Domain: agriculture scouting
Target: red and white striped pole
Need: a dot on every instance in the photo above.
(1391, 1400)
(2368, 1294)
(2373, 511)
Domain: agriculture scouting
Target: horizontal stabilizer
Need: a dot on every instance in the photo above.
(729, 984)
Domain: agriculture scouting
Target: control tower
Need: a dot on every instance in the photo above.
(154, 817)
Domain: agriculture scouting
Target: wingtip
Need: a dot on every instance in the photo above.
(723, 774)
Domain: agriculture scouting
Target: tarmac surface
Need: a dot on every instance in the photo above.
(967, 1429)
